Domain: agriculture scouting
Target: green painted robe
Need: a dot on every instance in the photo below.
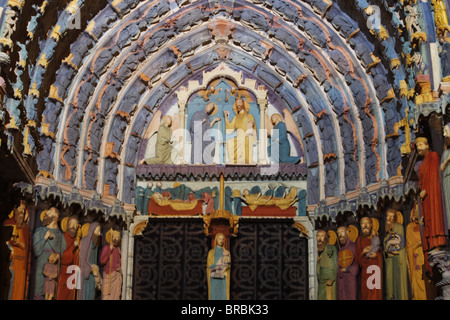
(327, 270)
(396, 268)
(164, 148)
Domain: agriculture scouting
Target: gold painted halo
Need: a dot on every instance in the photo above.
(215, 109)
(109, 235)
(353, 233)
(85, 230)
(64, 224)
(43, 213)
(375, 225)
(399, 217)
(332, 237)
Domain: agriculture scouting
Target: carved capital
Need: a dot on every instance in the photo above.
(441, 260)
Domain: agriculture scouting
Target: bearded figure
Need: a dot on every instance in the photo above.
(395, 257)
(200, 125)
(110, 259)
(20, 244)
(370, 260)
(70, 256)
(47, 239)
(240, 148)
(348, 268)
(326, 267)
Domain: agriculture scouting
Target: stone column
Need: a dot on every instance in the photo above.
(182, 96)
(441, 260)
(182, 106)
(262, 103)
(124, 262)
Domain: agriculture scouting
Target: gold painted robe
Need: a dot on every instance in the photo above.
(163, 151)
(240, 148)
(414, 253)
(20, 261)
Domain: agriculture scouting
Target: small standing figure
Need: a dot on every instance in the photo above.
(51, 276)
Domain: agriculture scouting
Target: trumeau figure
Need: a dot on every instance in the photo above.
(240, 148)
(218, 270)
(163, 154)
(395, 257)
(47, 239)
(326, 267)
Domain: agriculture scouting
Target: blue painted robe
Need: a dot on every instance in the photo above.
(282, 155)
(42, 250)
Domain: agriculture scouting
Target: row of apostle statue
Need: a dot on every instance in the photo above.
(354, 266)
(70, 262)
(371, 268)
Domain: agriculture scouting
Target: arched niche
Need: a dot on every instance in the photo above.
(223, 75)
